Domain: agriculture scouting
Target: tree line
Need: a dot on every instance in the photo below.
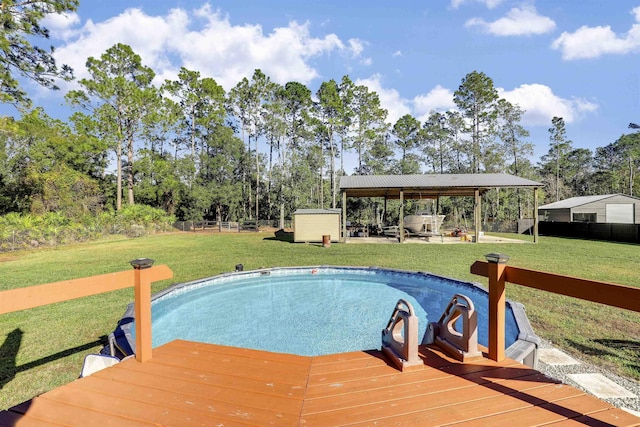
(263, 150)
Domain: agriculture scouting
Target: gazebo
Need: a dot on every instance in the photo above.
(431, 186)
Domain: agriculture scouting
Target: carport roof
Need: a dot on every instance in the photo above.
(430, 185)
(574, 202)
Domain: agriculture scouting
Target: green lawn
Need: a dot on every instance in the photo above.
(43, 348)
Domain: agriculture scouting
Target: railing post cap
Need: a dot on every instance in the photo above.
(497, 258)
(141, 263)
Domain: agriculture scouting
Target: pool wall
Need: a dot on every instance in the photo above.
(523, 350)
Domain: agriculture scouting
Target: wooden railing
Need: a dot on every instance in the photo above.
(141, 277)
(498, 273)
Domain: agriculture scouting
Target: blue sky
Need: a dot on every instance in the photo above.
(575, 59)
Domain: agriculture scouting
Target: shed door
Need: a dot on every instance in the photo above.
(619, 213)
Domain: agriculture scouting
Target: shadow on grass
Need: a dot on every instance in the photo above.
(628, 351)
(11, 346)
(8, 352)
(625, 345)
(590, 350)
(282, 236)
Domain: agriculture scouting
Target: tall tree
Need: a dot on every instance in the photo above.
(347, 96)
(202, 102)
(578, 171)
(219, 178)
(331, 114)
(512, 134)
(275, 129)
(296, 99)
(630, 146)
(437, 139)
(559, 148)
(617, 164)
(261, 87)
(377, 160)
(160, 174)
(239, 105)
(369, 124)
(246, 102)
(476, 98)
(455, 127)
(21, 23)
(407, 133)
(117, 96)
(607, 177)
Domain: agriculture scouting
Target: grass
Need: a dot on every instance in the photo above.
(43, 348)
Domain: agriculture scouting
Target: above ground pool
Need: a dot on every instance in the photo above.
(310, 311)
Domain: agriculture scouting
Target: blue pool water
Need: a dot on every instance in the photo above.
(307, 311)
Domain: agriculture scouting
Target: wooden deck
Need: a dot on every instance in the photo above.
(195, 384)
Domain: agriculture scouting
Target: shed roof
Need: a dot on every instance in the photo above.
(574, 202)
(318, 211)
(429, 185)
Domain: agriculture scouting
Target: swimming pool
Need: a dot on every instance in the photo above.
(309, 310)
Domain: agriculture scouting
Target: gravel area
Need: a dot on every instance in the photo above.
(560, 372)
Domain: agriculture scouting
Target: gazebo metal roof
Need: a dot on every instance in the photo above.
(430, 185)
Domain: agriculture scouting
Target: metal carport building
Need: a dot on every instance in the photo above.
(431, 186)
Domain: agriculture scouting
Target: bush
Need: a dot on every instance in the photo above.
(131, 218)
(24, 231)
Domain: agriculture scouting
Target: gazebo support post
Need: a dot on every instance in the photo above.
(343, 239)
(535, 215)
(384, 215)
(401, 220)
(477, 214)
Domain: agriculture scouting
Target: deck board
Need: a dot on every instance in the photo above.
(212, 400)
(195, 384)
(194, 377)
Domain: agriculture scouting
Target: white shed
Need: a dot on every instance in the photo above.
(309, 225)
(607, 208)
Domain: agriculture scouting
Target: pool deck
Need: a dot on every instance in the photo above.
(193, 384)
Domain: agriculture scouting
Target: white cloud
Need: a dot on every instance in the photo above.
(397, 53)
(60, 26)
(541, 104)
(488, 3)
(366, 62)
(438, 99)
(593, 42)
(147, 36)
(357, 46)
(205, 40)
(390, 99)
(518, 22)
(538, 101)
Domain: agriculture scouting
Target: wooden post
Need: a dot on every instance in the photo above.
(497, 303)
(344, 217)
(401, 219)
(142, 292)
(535, 215)
(384, 215)
(477, 214)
